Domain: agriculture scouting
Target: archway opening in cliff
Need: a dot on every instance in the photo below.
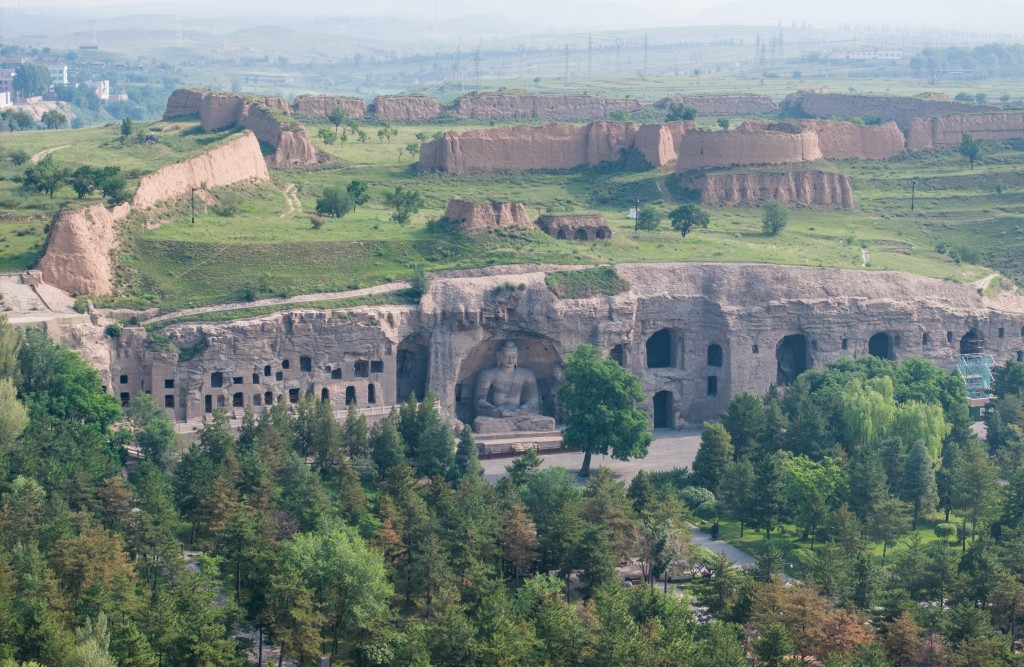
(350, 395)
(411, 363)
(561, 235)
(665, 349)
(664, 415)
(618, 355)
(791, 355)
(536, 353)
(972, 343)
(604, 233)
(581, 235)
(880, 345)
(715, 355)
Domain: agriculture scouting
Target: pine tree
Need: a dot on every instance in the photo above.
(715, 453)
(919, 488)
(467, 460)
(868, 487)
(387, 447)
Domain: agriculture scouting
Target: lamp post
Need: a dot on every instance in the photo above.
(636, 216)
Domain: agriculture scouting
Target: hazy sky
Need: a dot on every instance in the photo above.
(995, 15)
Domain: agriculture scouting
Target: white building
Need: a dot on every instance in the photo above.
(58, 74)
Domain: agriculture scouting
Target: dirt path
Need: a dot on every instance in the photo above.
(41, 154)
(300, 299)
(663, 189)
(985, 282)
(291, 197)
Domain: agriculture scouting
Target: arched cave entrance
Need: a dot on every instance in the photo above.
(561, 235)
(325, 394)
(581, 235)
(618, 355)
(972, 343)
(880, 345)
(350, 395)
(411, 363)
(604, 233)
(537, 354)
(664, 415)
(715, 355)
(791, 355)
(665, 349)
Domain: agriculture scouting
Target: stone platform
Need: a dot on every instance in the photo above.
(512, 444)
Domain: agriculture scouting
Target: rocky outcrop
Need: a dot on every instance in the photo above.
(184, 102)
(575, 227)
(238, 160)
(554, 146)
(219, 111)
(948, 130)
(473, 216)
(77, 258)
(902, 110)
(808, 188)
(318, 106)
(723, 105)
(563, 108)
(78, 251)
(846, 141)
(750, 143)
(406, 107)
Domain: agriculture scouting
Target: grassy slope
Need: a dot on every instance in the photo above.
(24, 215)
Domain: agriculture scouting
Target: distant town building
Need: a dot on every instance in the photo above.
(7, 80)
(868, 54)
(58, 74)
(5, 99)
(102, 89)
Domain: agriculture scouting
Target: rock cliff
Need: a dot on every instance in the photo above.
(77, 257)
(564, 108)
(184, 102)
(292, 147)
(948, 130)
(316, 106)
(902, 110)
(750, 143)
(580, 227)
(724, 105)
(473, 216)
(809, 188)
(845, 141)
(238, 160)
(406, 107)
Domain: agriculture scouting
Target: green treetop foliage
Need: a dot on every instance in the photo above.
(403, 204)
(648, 219)
(335, 201)
(679, 111)
(32, 79)
(969, 149)
(688, 217)
(337, 117)
(600, 397)
(774, 218)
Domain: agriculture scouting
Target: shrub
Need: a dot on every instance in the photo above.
(695, 496)
(620, 115)
(648, 219)
(944, 531)
(420, 281)
(19, 156)
(114, 330)
(81, 305)
(336, 201)
(317, 221)
(228, 204)
(774, 218)
(677, 111)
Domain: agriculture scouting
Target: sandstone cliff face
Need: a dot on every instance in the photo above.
(184, 102)
(219, 111)
(238, 160)
(78, 251)
(554, 146)
(809, 188)
(316, 106)
(948, 130)
(292, 146)
(902, 110)
(77, 258)
(726, 105)
(564, 108)
(277, 103)
(473, 216)
(406, 107)
(844, 141)
(749, 144)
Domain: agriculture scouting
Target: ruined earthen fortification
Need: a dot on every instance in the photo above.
(317, 106)
(554, 146)
(845, 141)
(948, 130)
(725, 105)
(78, 250)
(575, 227)
(696, 334)
(219, 111)
(406, 107)
(473, 216)
(899, 109)
(809, 188)
(750, 143)
(563, 108)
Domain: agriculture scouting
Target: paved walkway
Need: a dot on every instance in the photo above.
(300, 299)
(670, 449)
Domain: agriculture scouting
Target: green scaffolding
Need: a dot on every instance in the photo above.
(976, 372)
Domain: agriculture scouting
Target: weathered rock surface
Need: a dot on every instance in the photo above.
(726, 105)
(77, 258)
(237, 160)
(948, 130)
(219, 111)
(406, 107)
(750, 143)
(757, 314)
(902, 110)
(809, 188)
(78, 251)
(564, 108)
(316, 106)
(553, 146)
(845, 141)
(472, 216)
(581, 227)
(292, 147)
(184, 102)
